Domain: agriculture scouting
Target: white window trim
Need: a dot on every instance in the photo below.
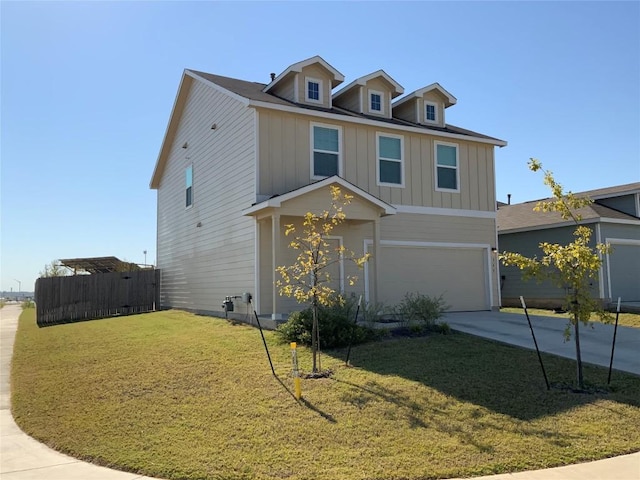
(435, 165)
(382, 102)
(324, 125)
(424, 111)
(190, 166)
(320, 90)
(378, 158)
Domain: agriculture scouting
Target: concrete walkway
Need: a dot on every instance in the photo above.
(23, 458)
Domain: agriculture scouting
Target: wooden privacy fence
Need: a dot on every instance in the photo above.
(101, 295)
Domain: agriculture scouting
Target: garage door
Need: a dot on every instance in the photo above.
(458, 274)
(624, 271)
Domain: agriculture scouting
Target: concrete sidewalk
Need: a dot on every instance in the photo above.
(23, 458)
(595, 343)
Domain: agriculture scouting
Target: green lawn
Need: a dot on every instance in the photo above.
(180, 396)
(624, 320)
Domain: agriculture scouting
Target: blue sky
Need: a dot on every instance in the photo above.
(87, 89)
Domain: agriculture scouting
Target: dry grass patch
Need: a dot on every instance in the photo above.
(180, 396)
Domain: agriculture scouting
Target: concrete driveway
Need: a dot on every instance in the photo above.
(595, 342)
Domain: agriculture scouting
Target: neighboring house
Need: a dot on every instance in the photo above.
(614, 218)
(241, 159)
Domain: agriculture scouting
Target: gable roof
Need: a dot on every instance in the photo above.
(450, 99)
(253, 94)
(337, 77)
(396, 88)
(522, 217)
(277, 200)
(616, 191)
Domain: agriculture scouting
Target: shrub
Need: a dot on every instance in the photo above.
(421, 311)
(335, 323)
(28, 304)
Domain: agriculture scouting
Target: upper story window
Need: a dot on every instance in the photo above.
(390, 160)
(430, 112)
(188, 176)
(313, 90)
(325, 150)
(376, 104)
(447, 167)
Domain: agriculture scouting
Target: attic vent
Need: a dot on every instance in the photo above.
(273, 76)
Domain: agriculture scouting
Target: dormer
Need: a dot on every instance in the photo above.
(308, 82)
(369, 95)
(425, 106)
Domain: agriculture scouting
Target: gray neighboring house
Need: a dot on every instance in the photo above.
(614, 218)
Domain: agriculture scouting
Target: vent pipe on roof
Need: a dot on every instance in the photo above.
(273, 76)
(508, 199)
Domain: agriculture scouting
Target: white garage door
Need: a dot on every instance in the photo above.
(458, 274)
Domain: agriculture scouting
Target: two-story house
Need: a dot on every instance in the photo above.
(241, 159)
(614, 218)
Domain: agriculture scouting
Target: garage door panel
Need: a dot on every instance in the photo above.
(624, 270)
(458, 274)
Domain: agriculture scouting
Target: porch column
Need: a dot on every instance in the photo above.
(275, 256)
(376, 255)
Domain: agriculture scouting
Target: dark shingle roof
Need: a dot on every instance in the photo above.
(254, 91)
(523, 216)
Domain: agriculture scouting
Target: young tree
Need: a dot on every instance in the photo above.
(54, 269)
(572, 267)
(308, 279)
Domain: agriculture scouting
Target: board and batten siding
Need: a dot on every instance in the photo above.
(285, 163)
(206, 251)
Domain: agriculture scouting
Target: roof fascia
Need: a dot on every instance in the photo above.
(420, 93)
(397, 88)
(297, 68)
(374, 123)
(215, 86)
(338, 78)
(276, 202)
(172, 126)
(547, 226)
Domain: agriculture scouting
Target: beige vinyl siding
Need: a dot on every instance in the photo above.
(285, 89)
(285, 163)
(351, 100)
(319, 73)
(378, 85)
(351, 239)
(406, 111)
(202, 264)
(432, 97)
